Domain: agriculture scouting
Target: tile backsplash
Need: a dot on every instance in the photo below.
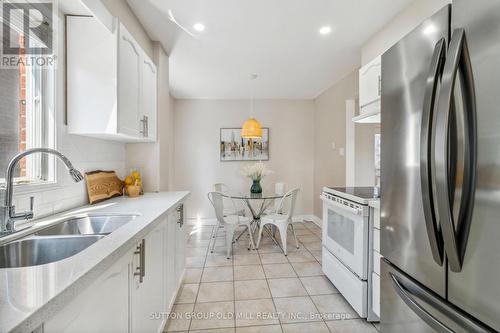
(86, 154)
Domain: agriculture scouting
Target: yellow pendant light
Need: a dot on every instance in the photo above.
(252, 129)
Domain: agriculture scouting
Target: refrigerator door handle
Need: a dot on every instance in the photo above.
(426, 175)
(409, 291)
(417, 308)
(455, 239)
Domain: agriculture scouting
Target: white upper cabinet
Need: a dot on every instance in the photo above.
(370, 91)
(148, 99)
(111, 83)
(370, 82)
(129, 87)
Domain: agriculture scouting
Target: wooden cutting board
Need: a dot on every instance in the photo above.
(103, 185)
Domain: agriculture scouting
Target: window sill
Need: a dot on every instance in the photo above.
(33, 187)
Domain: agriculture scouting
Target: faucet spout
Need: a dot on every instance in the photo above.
(8, 215)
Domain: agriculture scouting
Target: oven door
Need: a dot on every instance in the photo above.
(345, 235)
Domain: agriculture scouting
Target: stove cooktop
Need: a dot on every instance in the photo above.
(357, 194)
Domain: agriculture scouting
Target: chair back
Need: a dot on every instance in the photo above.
(292, 196)
(220, 187)
(216, 199)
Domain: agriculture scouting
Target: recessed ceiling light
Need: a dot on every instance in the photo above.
(199, 27)
(325, 30)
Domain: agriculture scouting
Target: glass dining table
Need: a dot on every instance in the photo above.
(257, 203)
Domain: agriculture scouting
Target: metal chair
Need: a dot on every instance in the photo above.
(281, 220)
(223, 188)
(228, 222)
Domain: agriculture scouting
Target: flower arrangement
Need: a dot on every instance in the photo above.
(256, 171)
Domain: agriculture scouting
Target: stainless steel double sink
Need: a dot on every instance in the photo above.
(61, 240)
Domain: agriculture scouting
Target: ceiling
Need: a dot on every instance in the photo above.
(276, 39)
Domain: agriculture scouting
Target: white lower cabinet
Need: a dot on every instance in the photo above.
(102, 307)
(180, 244)
(375, 262)
(135, 293)
(147, 288)
(376, 294)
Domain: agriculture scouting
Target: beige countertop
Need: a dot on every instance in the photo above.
(30, 295)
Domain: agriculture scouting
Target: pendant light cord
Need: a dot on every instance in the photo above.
(253, 77)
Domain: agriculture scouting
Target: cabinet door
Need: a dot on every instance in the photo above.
(148, 296)
(370, 82)
(148, 99)
(180, 244)
(171, 281)
(129, 75)
(102, 307)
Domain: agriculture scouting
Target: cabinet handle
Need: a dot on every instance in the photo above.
(141, 251)
(180, 215)
(143, 122)
(147, 125)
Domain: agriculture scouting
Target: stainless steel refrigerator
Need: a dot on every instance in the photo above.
(440, 174)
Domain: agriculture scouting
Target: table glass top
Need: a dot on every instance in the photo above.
(254, 196)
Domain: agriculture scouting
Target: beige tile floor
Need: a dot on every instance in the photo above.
(260, 291)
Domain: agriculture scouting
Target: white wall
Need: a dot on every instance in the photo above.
(197, 160)
(364, 152)
(408, 19)
(330, 126)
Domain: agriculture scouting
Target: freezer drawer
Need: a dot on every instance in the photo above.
(354, 290)
(407, 306)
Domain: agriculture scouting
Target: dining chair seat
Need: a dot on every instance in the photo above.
(281, 220)
(237, 211)
(236, 219)
(273, 217)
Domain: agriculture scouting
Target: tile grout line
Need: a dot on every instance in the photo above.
(272, 298)
(234, 289)
(201, 277)
(303, 286)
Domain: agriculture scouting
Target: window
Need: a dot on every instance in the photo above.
(27, 121)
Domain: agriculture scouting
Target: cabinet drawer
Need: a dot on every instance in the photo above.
(354, 290)
(376, 294)
(376, 240)
(376, 262)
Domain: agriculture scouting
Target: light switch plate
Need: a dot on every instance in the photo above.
(342, 151)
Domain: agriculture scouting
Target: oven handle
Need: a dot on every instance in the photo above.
(354, 211)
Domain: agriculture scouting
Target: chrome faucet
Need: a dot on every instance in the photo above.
(8, 212)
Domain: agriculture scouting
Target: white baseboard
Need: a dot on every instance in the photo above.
(201, 222)
(309, 218)
(297, 218)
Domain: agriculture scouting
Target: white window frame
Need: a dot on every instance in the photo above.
(41, 126)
